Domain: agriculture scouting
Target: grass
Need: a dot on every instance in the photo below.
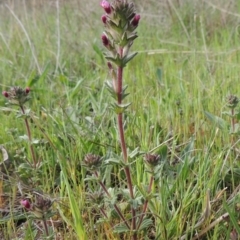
(187, 64)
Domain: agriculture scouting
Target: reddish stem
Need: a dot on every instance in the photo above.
(29, 138)
(115, 206)
(123, 143)
(46, 227)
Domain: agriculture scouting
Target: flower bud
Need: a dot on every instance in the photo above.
(106, 6)
(92, 160)
(152, 159)
(27, 90)
(104, 19)
(5, 94)
(109, 66)
(17, 95)
(232, 101)
(25, 203)
(135, 20)
(105, 40)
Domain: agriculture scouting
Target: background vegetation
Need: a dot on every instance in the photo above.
(179, 84)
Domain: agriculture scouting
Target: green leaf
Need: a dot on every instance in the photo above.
(233, 218)
(132, 37)
(98, 50)
(159, 74)
(187, 151)
(113, 161)
(37, 78)
(145, 224)
(134, 153)
(217, 121)
(120, 108)
(128, 58)
(116, 60)
(162, 151)
(121, 229)
(110, 88)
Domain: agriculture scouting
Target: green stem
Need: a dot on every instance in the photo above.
(146, 203)
(29, 138)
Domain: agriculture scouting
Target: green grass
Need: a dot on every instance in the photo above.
(188, 63)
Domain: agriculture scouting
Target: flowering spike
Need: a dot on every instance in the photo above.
(135, 20)
(104, 19)
(106, 6)
(5, 94)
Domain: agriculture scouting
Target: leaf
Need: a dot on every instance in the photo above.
(159, 74)
(187, 151)
(120, 108)
(217, 121)
(134, 153)
(37, 78)
(116, 60)
(121, 228)
(112, 161)
(162, 151)
(128, 58)
(233, 218)
(98, 51)
(145, 224)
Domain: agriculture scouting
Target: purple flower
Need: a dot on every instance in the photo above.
(106, 6)
(25, 203)
(105, 40)
(5, 94)
(135, 20)
(104, 19)
(27, 90)
(109, 65)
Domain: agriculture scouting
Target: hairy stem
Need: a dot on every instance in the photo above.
(123, 143)
(29, 138)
